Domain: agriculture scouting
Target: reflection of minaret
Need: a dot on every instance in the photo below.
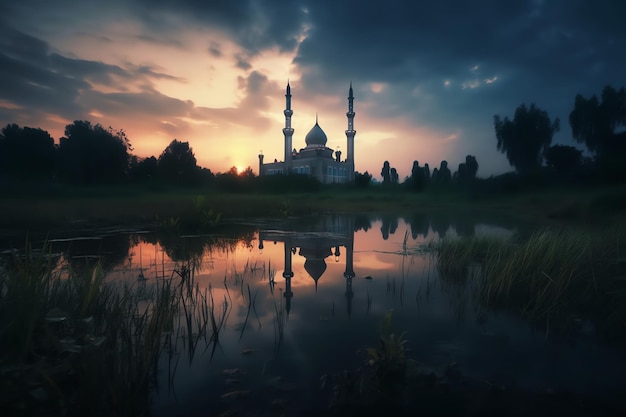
(349, 274)
(288, 274)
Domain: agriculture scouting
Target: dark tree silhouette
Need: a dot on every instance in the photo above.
(362, 180)
(144, 170)
(525, 138)
(416, 181)
(93, 154)
(26, 152)
(177, 163)
(426, 173)
(594, 122)
(563, 158)
(472, 166)
(435, 176)
(444, 175)
(394, 176)
(385, 173)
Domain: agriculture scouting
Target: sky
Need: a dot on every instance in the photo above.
(428, 76)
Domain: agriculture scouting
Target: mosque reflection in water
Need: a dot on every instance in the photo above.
(324, 240)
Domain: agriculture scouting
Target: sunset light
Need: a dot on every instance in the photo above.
(215, 78)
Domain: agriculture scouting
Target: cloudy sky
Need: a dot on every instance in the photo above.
(428, 76)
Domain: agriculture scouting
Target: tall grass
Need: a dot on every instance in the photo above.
(550, 274)
(71, 343)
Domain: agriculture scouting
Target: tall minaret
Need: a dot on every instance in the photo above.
(288, 131)
(350, 134)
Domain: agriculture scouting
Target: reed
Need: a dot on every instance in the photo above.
(552, 273)
(72, 343)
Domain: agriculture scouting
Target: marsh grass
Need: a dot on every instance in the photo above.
(72, 343)
(553, 276)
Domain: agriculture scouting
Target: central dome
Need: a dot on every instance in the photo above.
(316, 136)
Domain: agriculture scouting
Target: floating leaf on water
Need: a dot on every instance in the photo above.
(369, 277)
(235, 395)
(247, 351)
(56, 315)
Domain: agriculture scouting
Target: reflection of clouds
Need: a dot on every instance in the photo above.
(369, 261)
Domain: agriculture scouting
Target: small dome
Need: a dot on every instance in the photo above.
(316, 136)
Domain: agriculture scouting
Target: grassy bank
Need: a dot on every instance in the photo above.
(135, 205)
(558, 279)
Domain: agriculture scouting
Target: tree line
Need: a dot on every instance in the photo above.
(91, 154)
(599, 123)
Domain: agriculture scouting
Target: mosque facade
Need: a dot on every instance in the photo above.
(315, 159)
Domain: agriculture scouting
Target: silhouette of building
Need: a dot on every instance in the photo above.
(315, 159)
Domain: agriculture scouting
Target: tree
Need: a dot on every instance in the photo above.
(26, 152)
(144, 170)
(177, 163)
(362, 180)
(525, 138)
(385, 173)
(93, 154)
(595, 122)
(394, 176)
(443, 175)
(416, 180)
(563, 158)
(472, 166)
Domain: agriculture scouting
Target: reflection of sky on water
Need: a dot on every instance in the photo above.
(330, 324)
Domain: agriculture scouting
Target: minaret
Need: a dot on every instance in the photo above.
(260, 163)
(350, 135)
(288, 131)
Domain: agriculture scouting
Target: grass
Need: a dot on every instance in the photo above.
(205, 208)
(72, 343)
(555, 277)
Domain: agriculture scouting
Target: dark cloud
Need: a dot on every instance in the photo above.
(254, 24)
(446, 65)
(215, 49)
(241, 61)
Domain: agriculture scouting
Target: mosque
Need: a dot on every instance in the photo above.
(316, 159)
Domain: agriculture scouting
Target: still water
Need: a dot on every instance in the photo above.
(301, 300)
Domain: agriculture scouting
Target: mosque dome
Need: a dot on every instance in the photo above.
(316, 136)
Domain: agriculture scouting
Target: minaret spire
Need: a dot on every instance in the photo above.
(350, 132)
(288, 130)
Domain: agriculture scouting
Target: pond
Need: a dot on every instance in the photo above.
(298, 302)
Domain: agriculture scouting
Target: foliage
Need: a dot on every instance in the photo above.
(92, 154)
(563, 158)
(26, 152)
(595, 122)
(417, 180)
(385, 173)
(389, 357)
(177, 163)
(548, 275)
(362, 180)
(525, 138)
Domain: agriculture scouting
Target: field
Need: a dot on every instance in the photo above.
(63, 206)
